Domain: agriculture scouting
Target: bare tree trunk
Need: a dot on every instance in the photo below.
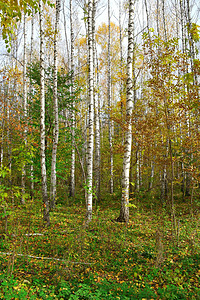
(30, 91)
(91, 117)
(42, 122)
(25, 107)
(147, 16)
(97, 169)
(164, 21)
(65, 28)
(190, 38)
(8, 130)
(137, 170)
(72, 181)
(110, 129)
(124, 212)
(164, 185)
(2, 125)
(56, 120)
(157, 17)
(121, 64)
(152, 174)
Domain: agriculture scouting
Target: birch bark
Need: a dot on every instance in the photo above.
(2, 127)
(91, 116)
(121, 60)
(9, 131)
(72, 183)
(124, 212)
(56, 120)
(30, 91)
(42, 122)
(96, 109)
(109, 105)
(24, 106)
(97, 138)
(65, 29)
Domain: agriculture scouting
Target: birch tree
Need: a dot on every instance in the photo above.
(30, 90)
(42, 121)
(124, 212)
(56, 121)
(96, 109)
(97, 140)
(109, 105)
(65, 30)
(91, 116)
(24, 105)
(2, 125)
(72, 181)
(121, 56)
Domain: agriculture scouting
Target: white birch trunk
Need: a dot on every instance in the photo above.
(65, 29)
(9, 134)
(96, 110)
(91, 117)
(110, 130)
(56, 121)
(42, 122)
(140, 167)
(121, 61)
(151, 175)
(164, 21)
(24, 106)
(30, 91)
(72, 181)
(97, 139)
(157, 16)
(124, 212)
(2, 126)
(137, 170)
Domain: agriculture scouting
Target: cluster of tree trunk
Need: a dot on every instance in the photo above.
(139, 104)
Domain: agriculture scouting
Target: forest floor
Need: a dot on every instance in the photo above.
(145, 259)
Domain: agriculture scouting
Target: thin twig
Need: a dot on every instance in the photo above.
(46, 258)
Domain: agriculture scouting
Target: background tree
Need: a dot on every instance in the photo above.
(56, 120)
(91, 116)
(124, 212)
(42, 122)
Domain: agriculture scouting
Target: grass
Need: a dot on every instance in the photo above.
(106, 260)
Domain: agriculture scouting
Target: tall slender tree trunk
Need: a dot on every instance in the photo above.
(190, 38)
(151, 174)
(109, 105)
(65, 29)
(42, 122)
(124, 212)
(137, 181)
(72, 181)
(147, 17)
(91, 116)
(97, 169)
(164, 184)
(157, 17)
(24, 106)
(164, 20)
(30, 91)
(56, 120)
(121, 62)
(185, 20)
(9, 131)
(195, 86)
(3, 94)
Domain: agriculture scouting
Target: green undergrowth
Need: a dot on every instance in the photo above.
(105, 260)
(12, 288)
